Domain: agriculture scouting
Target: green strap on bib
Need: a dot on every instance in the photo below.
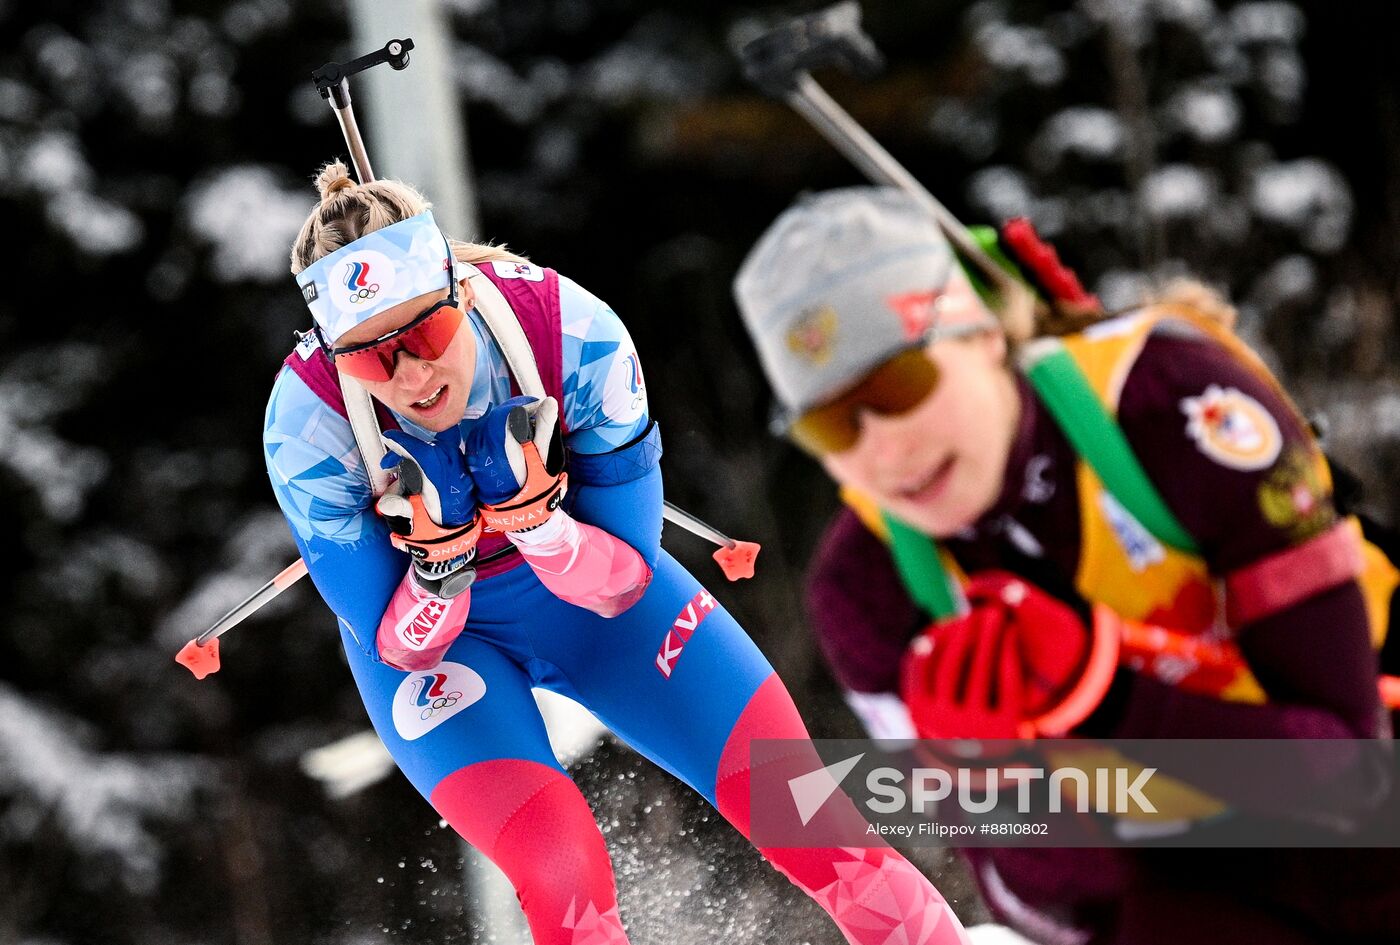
(920, 567)
(1099, 440)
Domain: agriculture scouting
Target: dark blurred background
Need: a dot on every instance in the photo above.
(155, 161)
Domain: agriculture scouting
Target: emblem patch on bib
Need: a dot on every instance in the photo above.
(1294, 498)
(518, 270)
(1142, 549)
(428, 698)
(307, 344)
(1232, 428)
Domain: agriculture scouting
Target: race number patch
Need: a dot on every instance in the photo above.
(428, 698)
(1232, 428)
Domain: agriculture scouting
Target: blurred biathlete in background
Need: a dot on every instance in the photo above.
(533, 527)
(1122, 527)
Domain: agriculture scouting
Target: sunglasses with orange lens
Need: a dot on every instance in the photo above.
(426, 337)
(894, 387)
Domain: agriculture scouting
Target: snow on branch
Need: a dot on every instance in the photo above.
(100, 802)
(60, 473)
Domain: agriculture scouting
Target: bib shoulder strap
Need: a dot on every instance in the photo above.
(319, 374)
(505, 327)
(920, 566)
(351, 401)
(1099, 440)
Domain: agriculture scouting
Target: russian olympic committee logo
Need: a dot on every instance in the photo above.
(428, 698)
(624, 390)
(432, 696)
(364, 276)
(357, 282)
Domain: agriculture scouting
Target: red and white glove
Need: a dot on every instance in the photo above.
(1017, 664)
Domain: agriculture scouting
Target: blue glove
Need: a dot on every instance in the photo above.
(437, 470)
(494, 455)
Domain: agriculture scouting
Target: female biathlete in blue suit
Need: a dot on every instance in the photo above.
(573, 596)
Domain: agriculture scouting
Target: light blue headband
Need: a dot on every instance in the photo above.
(377, 271)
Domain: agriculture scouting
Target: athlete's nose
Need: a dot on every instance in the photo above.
(886, 446)
(409, 372)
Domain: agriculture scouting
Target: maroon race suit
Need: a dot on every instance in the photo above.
(1314, 659)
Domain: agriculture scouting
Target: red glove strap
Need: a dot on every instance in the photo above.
(1093, 683)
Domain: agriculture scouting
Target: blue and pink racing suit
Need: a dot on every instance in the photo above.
(673, 675)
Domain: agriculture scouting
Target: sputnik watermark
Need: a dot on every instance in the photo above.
(1114, 791)
(978, 791)
(1074, 792)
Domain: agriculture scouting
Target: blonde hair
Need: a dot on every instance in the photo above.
(1182, 292)
(1208, 302)
(348, 211)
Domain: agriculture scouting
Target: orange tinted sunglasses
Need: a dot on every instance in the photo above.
(895, 386)
(427, 337)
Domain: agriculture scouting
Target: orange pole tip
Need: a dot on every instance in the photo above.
(1390, 691)
(200, 660)
(737, 562)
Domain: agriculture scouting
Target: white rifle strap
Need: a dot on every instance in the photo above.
(504, 326)
(359, 410)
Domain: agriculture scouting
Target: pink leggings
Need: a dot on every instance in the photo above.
(532, 821)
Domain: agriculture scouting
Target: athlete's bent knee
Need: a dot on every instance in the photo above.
(532, 822)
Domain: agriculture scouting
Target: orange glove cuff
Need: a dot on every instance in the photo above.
(534, 503)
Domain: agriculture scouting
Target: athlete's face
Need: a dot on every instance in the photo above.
(433, 394)
(940, 466)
